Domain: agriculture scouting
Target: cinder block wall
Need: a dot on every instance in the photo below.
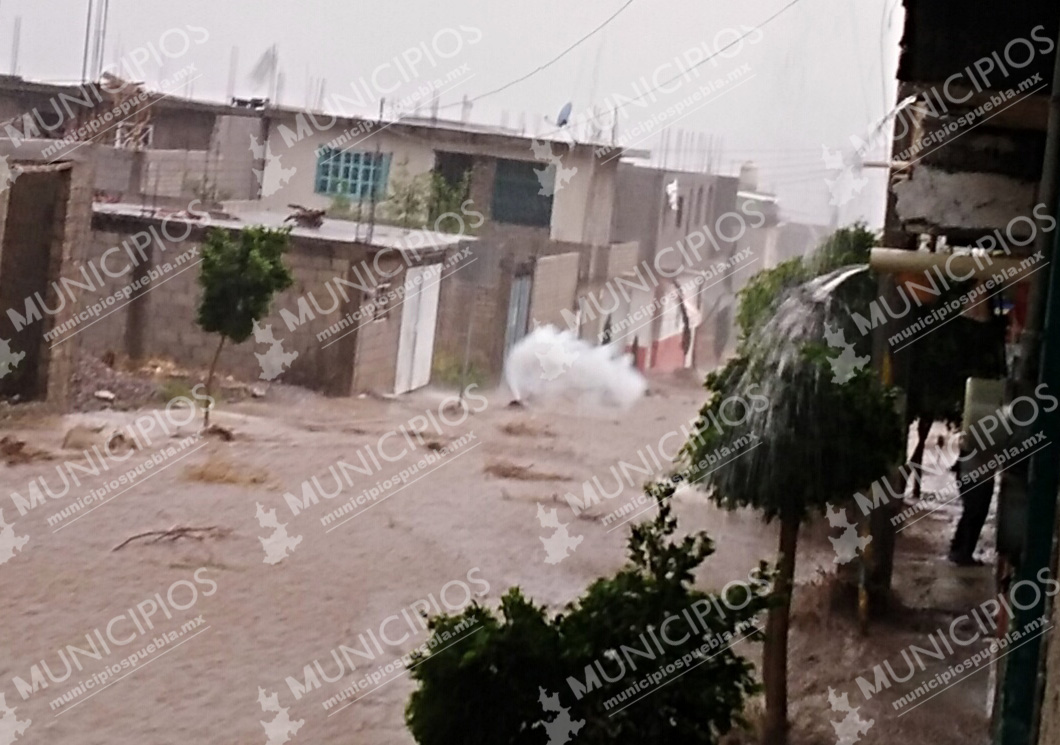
(159, 322)
(377, 340)
(555, 289)
(34, 206)
(44, 219)
(466, 306)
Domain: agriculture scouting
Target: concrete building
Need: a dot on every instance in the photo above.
(361, 315)
(45, 209)
(159, 147)
(678, 219)
(541, 210)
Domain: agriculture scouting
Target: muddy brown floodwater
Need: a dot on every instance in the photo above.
(201, 629)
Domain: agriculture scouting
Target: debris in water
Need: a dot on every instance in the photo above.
(15, 452)
(506, 470)
(174, 533)
(216, 430)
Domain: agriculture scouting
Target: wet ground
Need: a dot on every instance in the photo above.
(445, 506)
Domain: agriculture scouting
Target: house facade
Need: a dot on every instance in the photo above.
(360, 316)
(161, 147)
(686, 225)
(540, 211)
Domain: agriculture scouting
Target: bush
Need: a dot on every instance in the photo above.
(521, 676)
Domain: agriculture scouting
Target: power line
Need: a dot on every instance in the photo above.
(731, 44)
(550, 62)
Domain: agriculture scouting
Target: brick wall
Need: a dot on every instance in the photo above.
(476, 294)
(467, 307)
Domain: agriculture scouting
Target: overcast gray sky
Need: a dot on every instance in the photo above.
(823, 71)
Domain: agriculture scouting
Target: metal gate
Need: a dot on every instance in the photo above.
(419, 317)
(518, 312)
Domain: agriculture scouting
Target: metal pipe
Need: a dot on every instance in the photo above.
(981, 265)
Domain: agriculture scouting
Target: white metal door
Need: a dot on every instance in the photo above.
(419, 317)
(423, 356)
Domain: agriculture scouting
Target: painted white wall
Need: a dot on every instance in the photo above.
(582, 207)
(290, 169)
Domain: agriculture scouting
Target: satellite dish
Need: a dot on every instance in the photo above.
(564, 115)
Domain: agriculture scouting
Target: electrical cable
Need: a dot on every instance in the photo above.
(550, 62)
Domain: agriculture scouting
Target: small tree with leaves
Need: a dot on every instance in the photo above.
(408, 201)
(816, 444)
(816, 441)
(447, 199)
(239, 276)
(506, 678)
(763, 292)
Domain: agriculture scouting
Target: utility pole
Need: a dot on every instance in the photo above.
(88, 38)
(17, 37)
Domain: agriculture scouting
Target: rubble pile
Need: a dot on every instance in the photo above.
(97, 386)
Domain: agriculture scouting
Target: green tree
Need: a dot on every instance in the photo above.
(816, 440)
(409, 199)
(487, 686)
(239, 276)
(446, 200)
(759, 298)
(815, 444)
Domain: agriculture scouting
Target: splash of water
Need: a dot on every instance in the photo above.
(814, 313)
(549, 363)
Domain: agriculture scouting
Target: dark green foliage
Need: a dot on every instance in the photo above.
(835, 438)
(816, 425)
(446, 201)
(486, 687)
(817, 441)
(759, 297)
(239, 276)
(844, 247)
(762, 293)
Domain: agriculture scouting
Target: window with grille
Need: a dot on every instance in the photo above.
(356, 174)
(517, 192)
